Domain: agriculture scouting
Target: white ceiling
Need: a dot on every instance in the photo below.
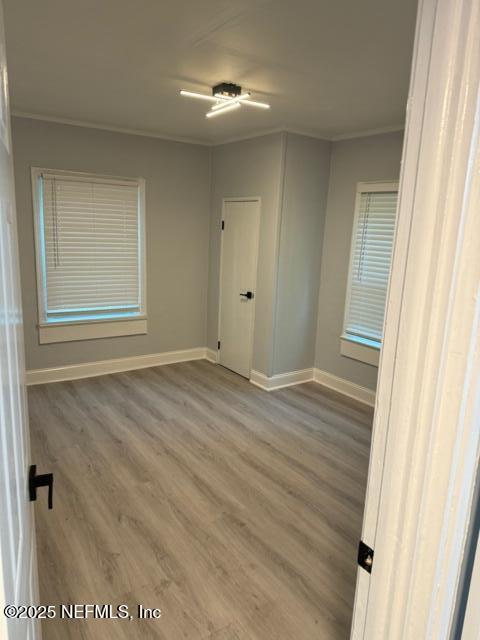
(327, 67)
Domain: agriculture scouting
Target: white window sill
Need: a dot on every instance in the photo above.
(71, 332)
(359, 349)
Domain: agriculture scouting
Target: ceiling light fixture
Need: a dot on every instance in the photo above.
(226, 94)
(223, 109)
(201, 96)
(241, 98)
(260, 105)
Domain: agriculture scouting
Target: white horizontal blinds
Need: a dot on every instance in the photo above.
(370, 264)
(91, 246)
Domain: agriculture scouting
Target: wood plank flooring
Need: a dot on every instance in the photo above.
(235, 511)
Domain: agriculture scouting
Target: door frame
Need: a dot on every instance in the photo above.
(258, 200)
(426, 441)
(14, 380)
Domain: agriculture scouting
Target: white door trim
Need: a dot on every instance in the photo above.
(258, 200)
(426, 437)
(18, 565)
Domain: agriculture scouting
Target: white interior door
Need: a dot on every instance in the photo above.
(18, 577)
(237, 284)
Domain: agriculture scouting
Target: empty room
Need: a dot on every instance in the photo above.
(239, 320)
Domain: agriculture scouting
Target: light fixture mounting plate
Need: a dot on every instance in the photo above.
(227, 89)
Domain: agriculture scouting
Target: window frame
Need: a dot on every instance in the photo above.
(358, 347)
(86, 329)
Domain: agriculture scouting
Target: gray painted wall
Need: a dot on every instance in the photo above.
(307, 166)
(177, 203)
(242, 169)
(362, 159)
(297, 323)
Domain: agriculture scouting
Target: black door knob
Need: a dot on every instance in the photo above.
(35, 481)
(248, 295)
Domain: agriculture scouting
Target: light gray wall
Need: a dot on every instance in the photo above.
(242, 169)
(185, 186)
(362, 159)
(177, 208)
(307, 166)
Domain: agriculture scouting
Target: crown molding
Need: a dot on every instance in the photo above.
(249, 136)
(298, 131)
(368, 132)
(197, 141)
(267, 132)
(103, 127)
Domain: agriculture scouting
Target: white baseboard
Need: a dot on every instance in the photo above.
(211, 355)
(280, 380)
(350, 389)
(102, 367)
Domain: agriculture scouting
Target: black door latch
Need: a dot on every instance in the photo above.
(365, 556)
(248, 295)
(43, 480)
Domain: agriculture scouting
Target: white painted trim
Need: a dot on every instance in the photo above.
(150, 134)
(426, 441)
(268, 132)
(211, 355)
(103, 367)
(56, 332)
(280, 380)
(345, 387)
(40, 270)
(248, 136)
(3, 603)
(306, 133)
(340, 385)
(207, 143)
(104, 127)
(72, 332)
(362, 187)
(357, 351)
(142, 232)
(377, 186)
(259, 380)
(368, 132)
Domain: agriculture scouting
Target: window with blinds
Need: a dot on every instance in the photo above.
(370, 260)
(90, 236)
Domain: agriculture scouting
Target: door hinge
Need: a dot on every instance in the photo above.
(223, 225)
(218, 344)
(365, 556)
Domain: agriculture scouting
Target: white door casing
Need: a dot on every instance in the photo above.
(425, 448)
(238, 270)
(18, 577)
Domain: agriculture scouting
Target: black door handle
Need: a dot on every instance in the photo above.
(248, 295)
(43, 480)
